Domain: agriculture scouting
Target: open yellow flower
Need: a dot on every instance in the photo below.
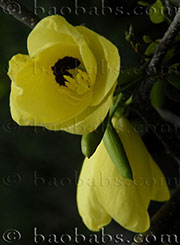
(67, 80)
(103, 193)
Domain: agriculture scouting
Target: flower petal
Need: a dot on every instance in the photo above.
(91, 211)
(89, 119)
(48, 32)
(19, 116)
(126, 201)
(147, 175)
(160, 191)
(121, 198)
(41, 96)
(118, 196)
(108, 63)
(55, 29)
(138, 156)
(16, 63)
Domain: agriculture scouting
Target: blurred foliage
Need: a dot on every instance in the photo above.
(155, 12)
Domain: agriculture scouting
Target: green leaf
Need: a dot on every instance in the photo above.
(174, 75)
(129, 80)
(129, 36)
(117, 101)
(173, 93)
(89, 142)
(119, 108)
(174, 79)
(157, 95)
(169, 55)
(116, 151)
(129, 77)
(175, 68)
(174, 2)
(143, 3)
(151, 48)
(156, 12)
(147, 39)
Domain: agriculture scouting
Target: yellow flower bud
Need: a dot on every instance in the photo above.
(103, 193)
(67, 80)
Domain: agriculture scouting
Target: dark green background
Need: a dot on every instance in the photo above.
(50, 203)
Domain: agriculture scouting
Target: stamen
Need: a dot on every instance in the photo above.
(61, 68)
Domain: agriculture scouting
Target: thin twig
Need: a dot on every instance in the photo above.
(142, 99)
(170, 138)
(15, 9)
(164, 44)
(142, 104)
(167, 133)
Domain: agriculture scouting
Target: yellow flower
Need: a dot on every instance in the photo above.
(103, 193)
(67, 80)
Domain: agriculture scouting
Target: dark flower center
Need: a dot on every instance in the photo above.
(61, 68)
